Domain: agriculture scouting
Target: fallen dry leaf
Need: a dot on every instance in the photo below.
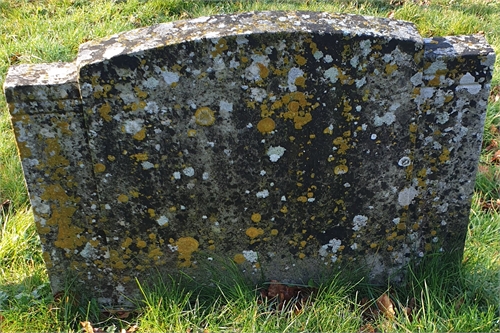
(87, 327)
(493, 144)
(280, 296)
(368, 328)
(496, 156)
(132, 329)
(386, 306)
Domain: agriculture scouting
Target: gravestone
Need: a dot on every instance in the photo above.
(291, 143)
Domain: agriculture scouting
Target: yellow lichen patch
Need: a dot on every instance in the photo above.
(428, 247)
(53, 151)
(239, 258)
(435, 81)
(445, 156)
(284, 209)
(151, 212)
(127, 242)
(300, 60)
(300, 81)
(253, 232)
(119, 265)
(401, 226)
(256, 217)
(389, 69)
(191, 133)
(266, 125)
(302, 255)
(204, 116)
(99, 167)
(134, 193)
(104, 112)
(23, 149)
(300, 121)
(55, 192)
(340, 169)
(155, 253)
(68, 236)
(122, 198)
(186, 246)
(373, 245)
(220, 47)
(342, 143)
(302, 198)
(413, 128)
(140, 156)
(140, 135)
(274, 232)
(140, 93)
(263, 70)
(111, 158)
(328, 130)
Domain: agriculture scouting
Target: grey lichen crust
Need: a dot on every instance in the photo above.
(291, 143)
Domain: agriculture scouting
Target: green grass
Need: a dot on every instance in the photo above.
(450, 294)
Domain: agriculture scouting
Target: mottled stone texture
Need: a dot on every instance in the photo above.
(289, 143)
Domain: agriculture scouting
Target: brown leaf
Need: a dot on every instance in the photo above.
(132, 329)
(275, 289)
(386, 306)
(368, 328)
(493, 144)
(496, 156)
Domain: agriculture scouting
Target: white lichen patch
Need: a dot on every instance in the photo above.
(133, 126)
(146, 165)
(404, 161)
(150, 83)
(177, 175)
(262, 194)
(332, 74)
(189, 171)
(388, 118)
(358, 222)
(225, 106)
(275, 153)
(88, 251)
(331, 248)
(293, 74)
(468, 82)
(163, 220)
(360, 82)
(251, 256)
(170, 77)
(258, 94)
(406, 196)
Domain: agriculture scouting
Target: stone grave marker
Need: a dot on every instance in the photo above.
(290, 143)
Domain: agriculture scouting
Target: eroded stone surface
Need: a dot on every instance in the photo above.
(290, 143)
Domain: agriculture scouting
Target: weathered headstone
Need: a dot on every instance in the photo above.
(290, 143)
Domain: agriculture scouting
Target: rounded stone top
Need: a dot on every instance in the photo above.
(218, 26)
